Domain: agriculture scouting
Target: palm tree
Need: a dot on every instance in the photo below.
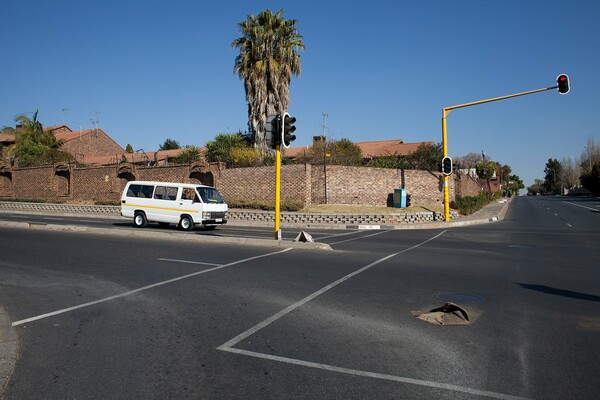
(219, 150)
(268, 58)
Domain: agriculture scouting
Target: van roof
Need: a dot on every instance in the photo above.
(155, 183)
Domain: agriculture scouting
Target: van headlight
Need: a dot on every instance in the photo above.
(206, 215)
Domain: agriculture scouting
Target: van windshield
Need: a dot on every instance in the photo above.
(210, 195)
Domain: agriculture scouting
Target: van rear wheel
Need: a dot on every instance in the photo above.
(139, 219)
(186, 223)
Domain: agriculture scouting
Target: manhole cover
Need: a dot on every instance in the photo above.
(459, 298)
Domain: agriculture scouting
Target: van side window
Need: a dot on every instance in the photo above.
(146, 191)
(133, 190)
(165, 193)
(143, 191)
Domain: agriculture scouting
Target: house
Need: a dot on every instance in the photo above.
(86, 143)
(83, 145)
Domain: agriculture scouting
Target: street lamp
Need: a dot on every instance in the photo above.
(572, 165)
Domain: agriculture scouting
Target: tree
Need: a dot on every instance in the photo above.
(591, 179)
(335, 152)
(188, 155)
(267, 60)
(427, 157)
(552, 179)
(169, 144)
(486, 171)
(537, 187)
(515, 183)
(129, 148)
(33, 145)
(219, 150)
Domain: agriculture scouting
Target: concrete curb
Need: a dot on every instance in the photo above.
(169, 236)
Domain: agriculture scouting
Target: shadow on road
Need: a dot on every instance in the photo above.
(560, 292)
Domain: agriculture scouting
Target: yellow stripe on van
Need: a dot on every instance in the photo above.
(159, 208)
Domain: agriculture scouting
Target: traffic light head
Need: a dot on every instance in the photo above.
(447, 166)
(562, 82)
(287, 136)
(273, 134)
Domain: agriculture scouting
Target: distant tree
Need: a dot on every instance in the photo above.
(515, 183)
(503, 172)
(470, 160)
(591, 179)
(267, 60)
(129, 148)
(169, 144)
(188, 155)
(537, 187)
(552, 178)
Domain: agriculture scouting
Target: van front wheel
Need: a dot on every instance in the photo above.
(139, 219)
(186, 223)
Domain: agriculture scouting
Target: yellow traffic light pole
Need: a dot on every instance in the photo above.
(446, 111)
(277, 191)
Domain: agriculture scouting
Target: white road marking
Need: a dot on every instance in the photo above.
(340, 234)
(358, 238)
(376, 375)
(129, 293)
(319, 292)
(579, 205)
(228, 346)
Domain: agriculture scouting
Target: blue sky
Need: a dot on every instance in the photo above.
(153, 70)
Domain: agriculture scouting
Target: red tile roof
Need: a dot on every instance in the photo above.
(7, 138)
(149, 156)
(372, 149)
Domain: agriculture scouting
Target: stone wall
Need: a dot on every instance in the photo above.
(308, 184)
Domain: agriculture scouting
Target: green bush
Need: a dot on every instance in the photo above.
(469, 204)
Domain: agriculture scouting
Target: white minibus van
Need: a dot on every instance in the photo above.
(167, 203)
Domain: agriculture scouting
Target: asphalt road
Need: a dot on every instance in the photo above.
(101, 316)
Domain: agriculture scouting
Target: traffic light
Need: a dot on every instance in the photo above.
(273, 136)
(287, 136)
(563, 83)
(447, 166)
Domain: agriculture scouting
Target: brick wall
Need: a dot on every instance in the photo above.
(258, 183)
(303, 183)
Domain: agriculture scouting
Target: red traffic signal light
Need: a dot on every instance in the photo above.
(562, 82)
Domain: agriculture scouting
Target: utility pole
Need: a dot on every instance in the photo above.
(325, 115)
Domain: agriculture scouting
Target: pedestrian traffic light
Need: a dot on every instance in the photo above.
(563, 84)
(273, 135)
(447, 166)
(287, 136)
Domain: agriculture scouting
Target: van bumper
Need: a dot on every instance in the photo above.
(217, 221)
